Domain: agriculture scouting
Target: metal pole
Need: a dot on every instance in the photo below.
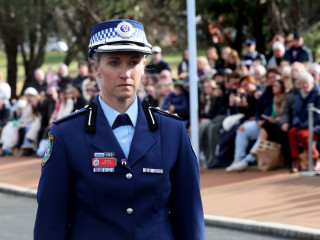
(192, 46)
(310, 127)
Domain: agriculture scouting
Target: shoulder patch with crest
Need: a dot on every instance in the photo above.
(48, 151)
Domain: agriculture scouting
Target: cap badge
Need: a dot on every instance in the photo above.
(125, 29)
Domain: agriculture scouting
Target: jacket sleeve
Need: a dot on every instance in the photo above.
(54, 192)
(186, 205)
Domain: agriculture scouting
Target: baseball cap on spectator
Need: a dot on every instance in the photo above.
(250, 41)
(156, 49)
(297, 34)
(31, 91)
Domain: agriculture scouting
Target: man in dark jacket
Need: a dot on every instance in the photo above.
(298, 52)
(157, 64)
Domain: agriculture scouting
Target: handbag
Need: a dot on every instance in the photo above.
(269, 155)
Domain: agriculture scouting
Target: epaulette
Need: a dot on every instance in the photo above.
(71, 115)
(166, 113)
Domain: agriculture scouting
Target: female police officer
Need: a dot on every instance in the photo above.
(119, 169)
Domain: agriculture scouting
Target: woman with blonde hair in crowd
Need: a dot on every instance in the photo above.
(206, 100)
(212, 56)
(233, 61)
(203, 67)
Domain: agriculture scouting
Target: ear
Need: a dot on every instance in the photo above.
(95, 68)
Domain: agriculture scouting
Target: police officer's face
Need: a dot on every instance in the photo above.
(120, 73)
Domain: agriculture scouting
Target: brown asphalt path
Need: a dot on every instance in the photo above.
(275, 196)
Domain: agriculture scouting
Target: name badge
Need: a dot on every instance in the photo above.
(104, 162)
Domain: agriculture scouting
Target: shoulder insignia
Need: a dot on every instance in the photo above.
(75, 113)
(48, 151)
(152, 122)
(166, 113)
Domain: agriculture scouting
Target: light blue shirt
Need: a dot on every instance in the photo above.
(124, 134)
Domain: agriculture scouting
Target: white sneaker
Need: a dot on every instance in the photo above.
(237, 166)
(232, 167)
(242, 165)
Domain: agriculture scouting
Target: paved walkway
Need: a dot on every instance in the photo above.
(275, 196)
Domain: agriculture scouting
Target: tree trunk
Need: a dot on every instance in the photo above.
(239, 24)
(258, 26)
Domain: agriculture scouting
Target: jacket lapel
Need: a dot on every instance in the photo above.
(143, 138)
(104, 140)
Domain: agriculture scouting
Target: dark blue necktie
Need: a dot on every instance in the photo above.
(121, 120)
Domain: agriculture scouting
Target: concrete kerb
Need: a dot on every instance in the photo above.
(18, 190)
(272, 228)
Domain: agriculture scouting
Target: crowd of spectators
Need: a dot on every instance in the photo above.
(243, 99)
(25, 122)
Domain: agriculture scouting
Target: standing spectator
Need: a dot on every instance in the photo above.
(278, 37)
(52, 78)
(39, 83)
(157, 64)
(298, 133)
(63, 74)
(289, 41)
(83, 73)
(298, 52)
(252, 54)
(278, 51)
(212, 56)
(183, 66)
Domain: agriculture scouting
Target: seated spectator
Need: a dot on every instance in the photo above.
(222, 61)
(166, 76)
(63, 74)
(314, 70)
(4, 114)
(183, 66)
(245, 104)
(204, 69)
(233, 61)
(157, 64)
(23, 131)
(176, 101)
(278, 51)
(151, 97)
(52, 78)
(212, 56)
(286, 78)
(5, 90)
(298, 52)
(163, 90)
(64, 105)
(250, 130)
(78, 100)
(39, 83)
(298, 133)
(46, 108)
(287, 112)
(209, 131)
(83, 73)
(271, 128)
(206, 100)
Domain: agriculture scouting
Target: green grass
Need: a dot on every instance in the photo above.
(54, 58)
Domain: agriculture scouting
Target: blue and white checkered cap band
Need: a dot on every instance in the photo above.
(112, 36)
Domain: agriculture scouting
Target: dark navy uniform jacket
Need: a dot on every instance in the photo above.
(76, 203)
